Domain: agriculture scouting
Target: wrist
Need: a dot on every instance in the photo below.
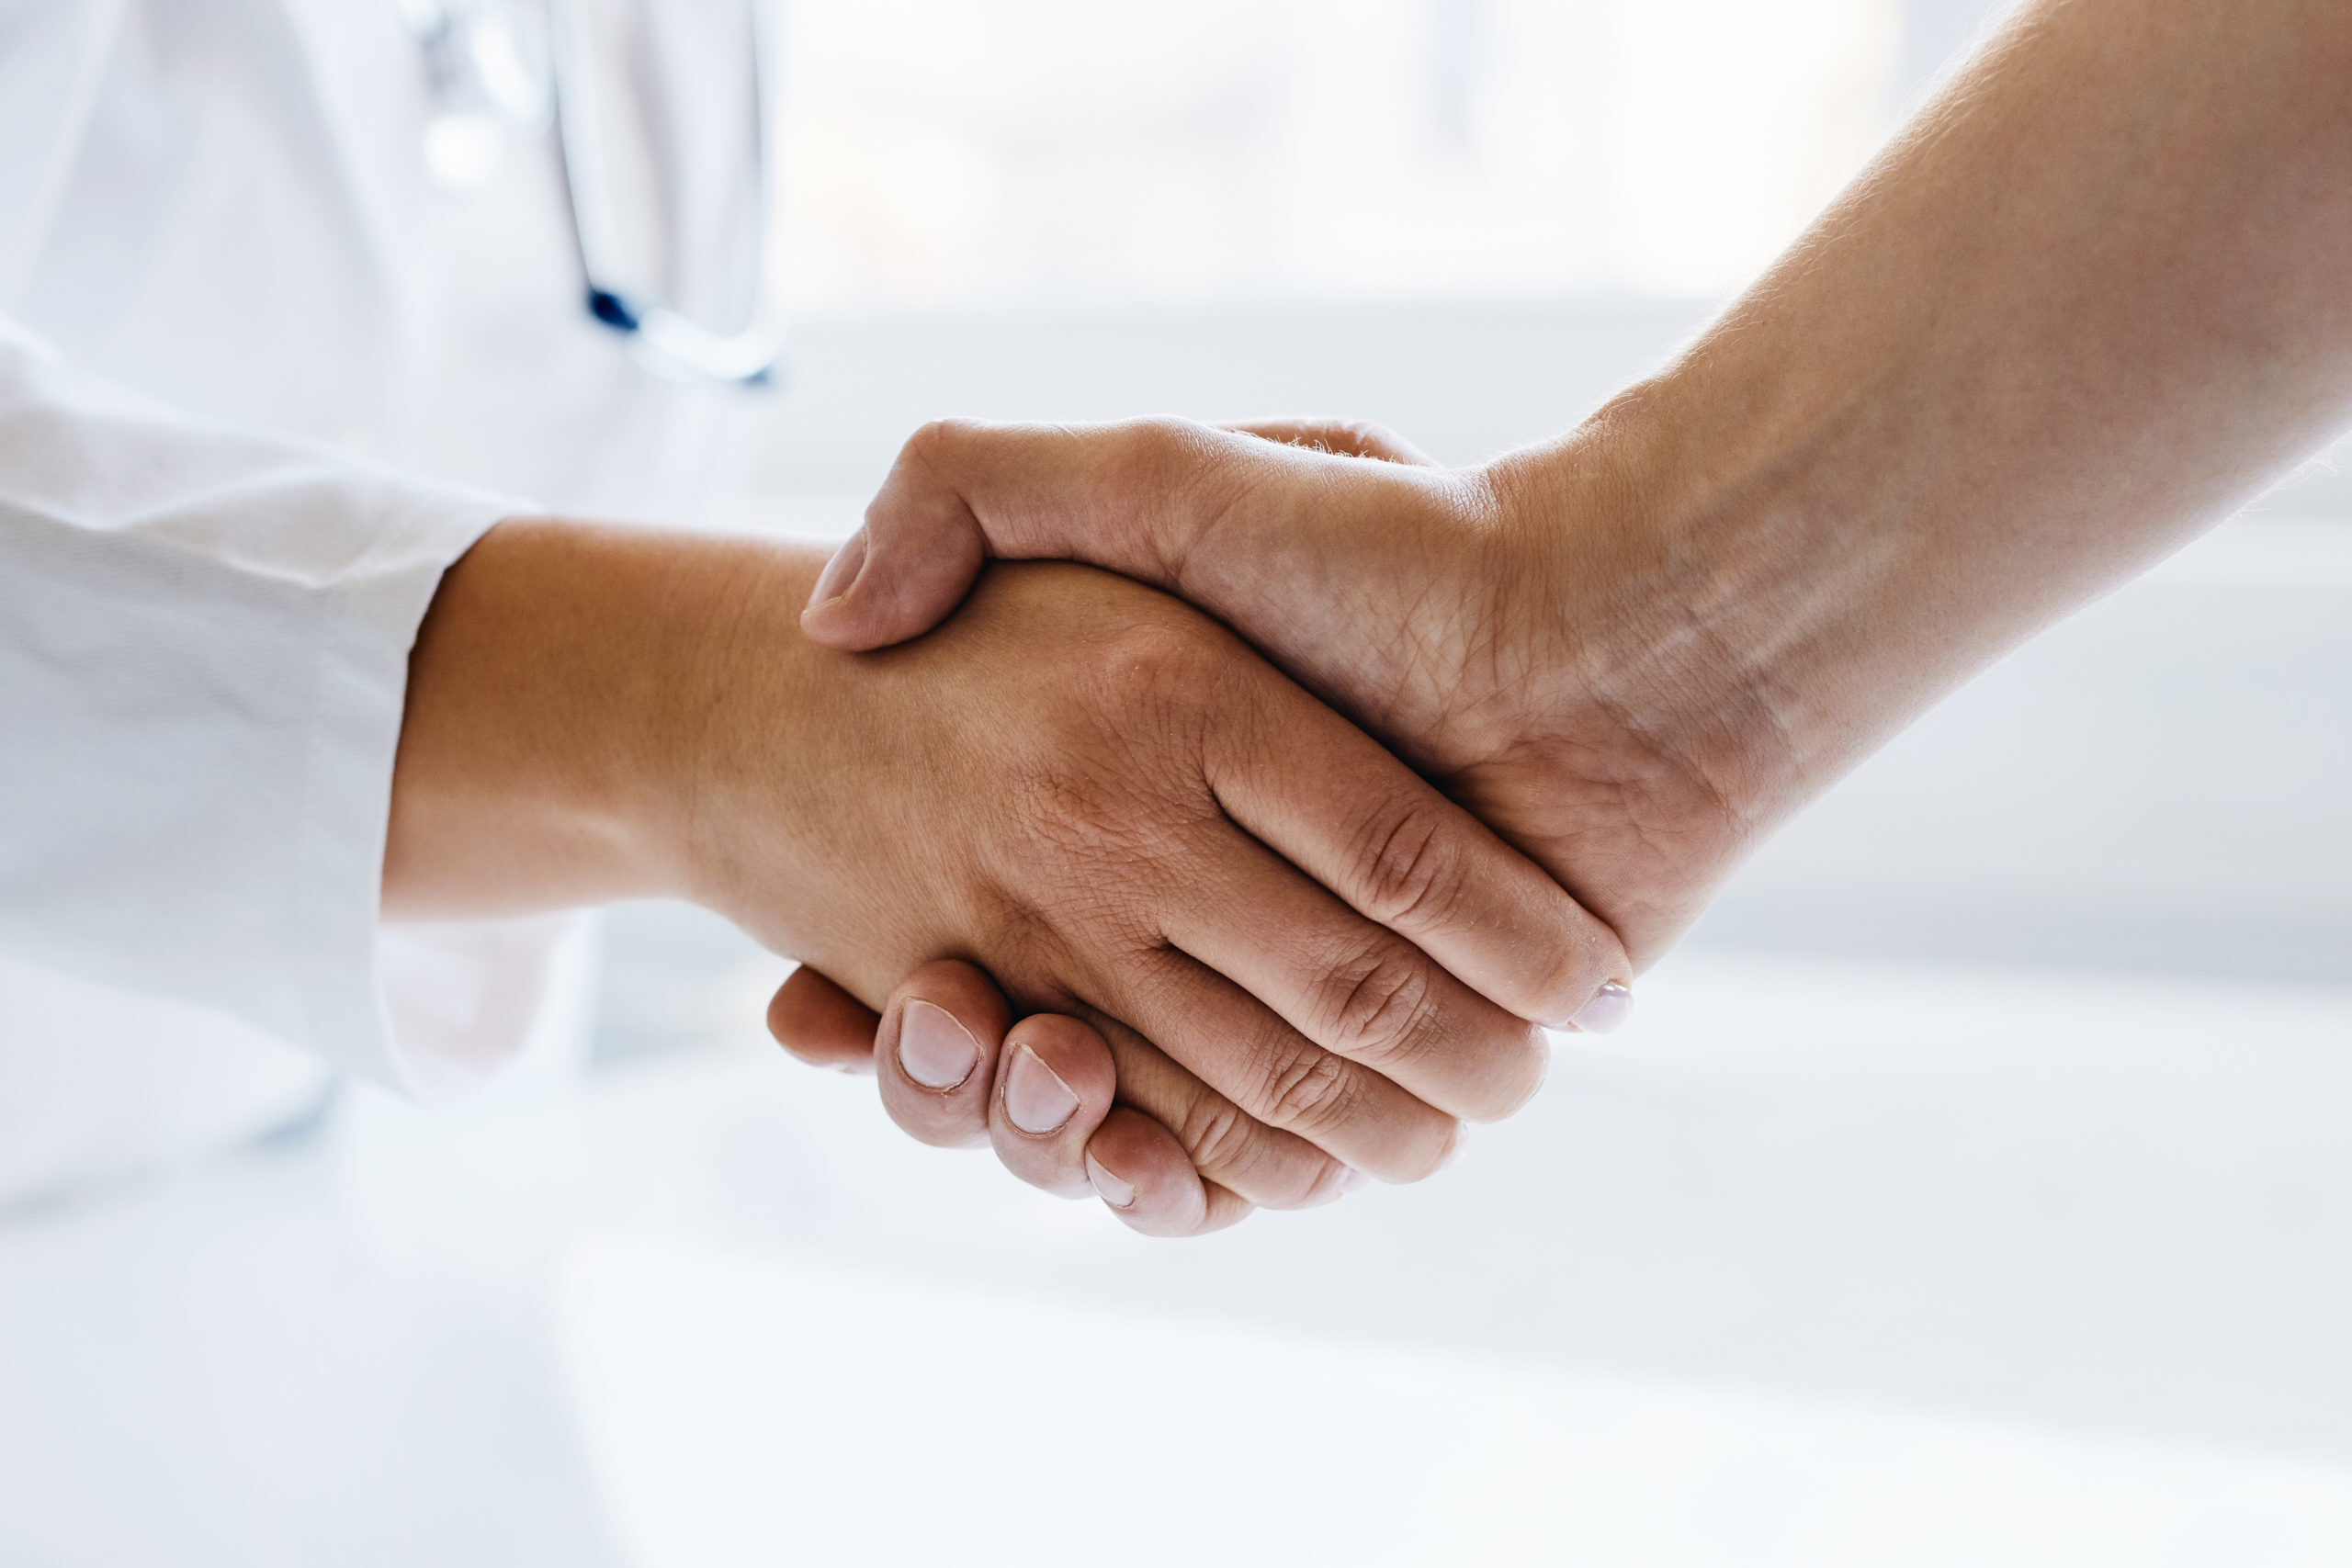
(1704, 586)
(549, 741)
(741, 781)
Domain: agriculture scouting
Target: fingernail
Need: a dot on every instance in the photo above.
(1454, 1152)
(1107, 1187)
(936, 1050)
(1610, 1007)
(840, 571)
(1353, 1181)
(1035, 1098)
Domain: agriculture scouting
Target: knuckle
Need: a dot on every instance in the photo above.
(1382, 1007)
(1162, 438)
(1218, 1134)
(937, 441)
(1236, 1151)
(1146, 454)
(1156, 663)
(1312, 1092)
(1414, 874)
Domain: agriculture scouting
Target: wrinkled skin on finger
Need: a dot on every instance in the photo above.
(1085, 789)
(1045, 1087)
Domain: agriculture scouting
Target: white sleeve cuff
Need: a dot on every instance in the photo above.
(204, 645)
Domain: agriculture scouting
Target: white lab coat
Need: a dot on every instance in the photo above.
(260, 383)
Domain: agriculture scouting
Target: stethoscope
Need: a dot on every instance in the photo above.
(496, 68)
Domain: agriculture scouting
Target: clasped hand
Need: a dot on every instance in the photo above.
(1262, 958)
(1446, 611)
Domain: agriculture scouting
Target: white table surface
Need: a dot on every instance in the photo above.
(1816, 1264)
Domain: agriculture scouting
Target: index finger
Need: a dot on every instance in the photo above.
(1330, 800)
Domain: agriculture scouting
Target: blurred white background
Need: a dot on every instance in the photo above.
(1050, 206)
(1050, 151)
(1972, 1189)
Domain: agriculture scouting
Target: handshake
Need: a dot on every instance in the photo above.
(1287, 882)
(1285, 898)
(1235, 867)
(1286, 821)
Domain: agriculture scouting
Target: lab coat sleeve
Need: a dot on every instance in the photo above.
(204, 641)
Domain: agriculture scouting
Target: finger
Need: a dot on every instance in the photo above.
(815, 1019)
(1218, 1141)
(1139, 1171)
(821, 1024)
(1171, 1195)
(1325, 797)
(1346, 437)
(1275, 1074)
(1354, 987)
(1126, 497)
(936, 1053)
(1055, 1082)
(916, 1065)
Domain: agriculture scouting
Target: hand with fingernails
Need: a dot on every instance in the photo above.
(1258, 952)
(1404, 594)
(1286, 955)
(1044, 1093)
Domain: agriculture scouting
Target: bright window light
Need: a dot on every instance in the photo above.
(1010, 152)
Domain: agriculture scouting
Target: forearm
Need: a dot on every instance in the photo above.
(557, 735)
(2096, 296)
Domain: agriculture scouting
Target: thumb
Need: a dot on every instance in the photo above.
(1130, 498)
